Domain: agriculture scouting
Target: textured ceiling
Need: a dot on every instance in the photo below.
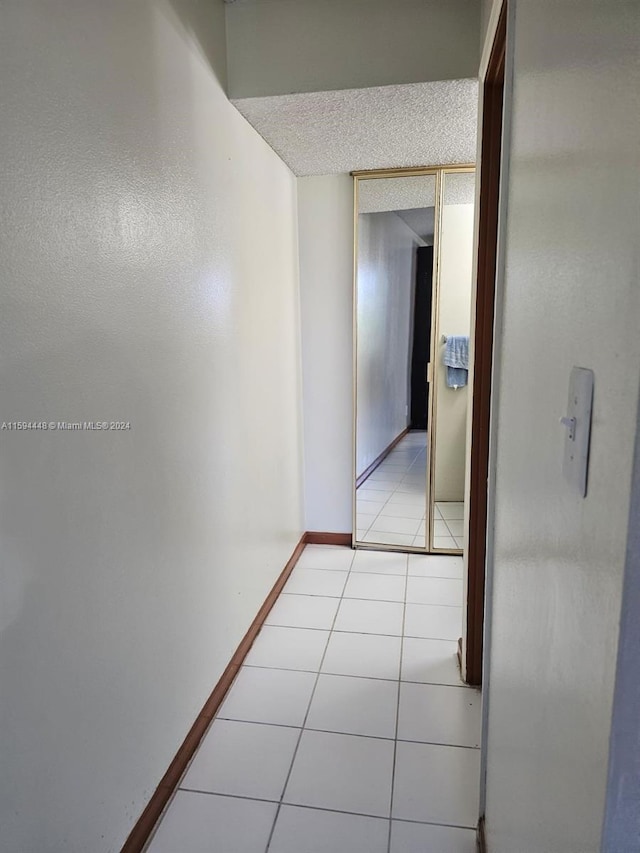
(460, 188)
(413, 195)
(324, 133)
(378, 194)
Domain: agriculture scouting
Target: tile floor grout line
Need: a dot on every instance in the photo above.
(363, 598)
(226, 794)
(341, 631)
(317, 672)
(324, 809)
(395, 744)
(365, 677)
(455, 538)
(344, 734)
(302, 729)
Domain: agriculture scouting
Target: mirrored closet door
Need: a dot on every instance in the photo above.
(412, 310)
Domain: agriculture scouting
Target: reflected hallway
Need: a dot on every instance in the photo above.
(391, 502)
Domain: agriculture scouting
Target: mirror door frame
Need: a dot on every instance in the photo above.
(438, 172)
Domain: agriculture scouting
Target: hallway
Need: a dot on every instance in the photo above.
(348, 729)
(392, 501)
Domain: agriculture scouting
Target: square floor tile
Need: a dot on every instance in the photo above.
(456, 527)
(433, 621)
(412, 488)
(365, 520)
(451, 509)
(277, 696)
(204, 823)
(395, 524)
(383, 480)
(435, 566)
(429, 838)
(303, 611)
(408, 498)
(437, 784)
(384, 562)
(378, 537)
(405, 510)
(368, 507)
(243, 759)
(368, 655)
(315, 582)
(370, 617)
(376, 587)
(433, 713)
(430, 661)
(288, 648)
(375, 492)
(342, 772)
(326, 557)
(358, 706)
(300, 830)
(445, 591)
(445, 543)
(440, 528)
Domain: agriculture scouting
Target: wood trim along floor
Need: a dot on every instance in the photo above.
(147, 821)
(380, 459)
(141, 832)
(314, 537)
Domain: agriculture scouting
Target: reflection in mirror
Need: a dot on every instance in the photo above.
(451, 390)
(394, 272)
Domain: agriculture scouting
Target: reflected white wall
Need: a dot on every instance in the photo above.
(386, 286)
(454, 315)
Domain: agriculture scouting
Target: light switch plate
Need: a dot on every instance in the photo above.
(578, 429)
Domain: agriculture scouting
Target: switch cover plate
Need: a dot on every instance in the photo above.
(576, 441)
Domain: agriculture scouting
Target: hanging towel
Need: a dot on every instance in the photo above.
(456, 359)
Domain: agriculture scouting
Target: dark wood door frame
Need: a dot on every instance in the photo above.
(490, 158)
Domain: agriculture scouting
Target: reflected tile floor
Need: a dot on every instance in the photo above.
(390, 504)
(348, 729)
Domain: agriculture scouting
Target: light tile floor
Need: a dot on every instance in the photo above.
(391, 503)
(348, 729)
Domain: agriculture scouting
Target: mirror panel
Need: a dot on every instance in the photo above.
(412, 318)
(451, 360)
(393, 316)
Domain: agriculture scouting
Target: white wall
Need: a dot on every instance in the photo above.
(276, 47)
(571, 297)
(386, 284)
(454, 318)
(134, 287)
(325, 218)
